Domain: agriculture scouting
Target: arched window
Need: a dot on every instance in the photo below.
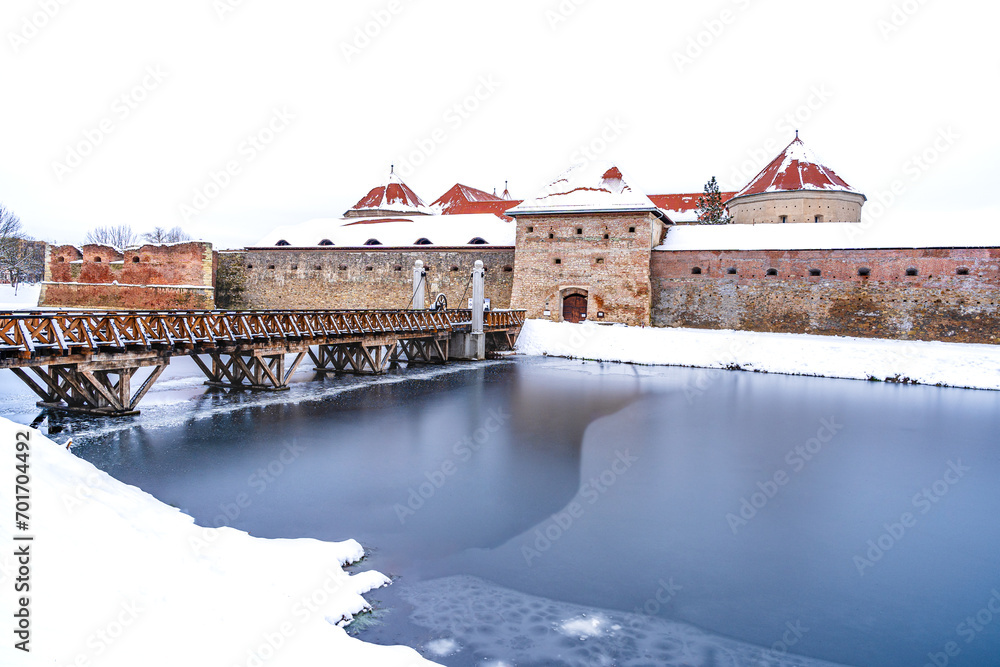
(422, 241)
(135, 260)
(912, 271)
(282, 242)
(864, 272)
(373, 242)
(772, 272)
(696, 271)
(326, 242)
(478, 241)
(962, 271)
(97, 259)
(62, 259)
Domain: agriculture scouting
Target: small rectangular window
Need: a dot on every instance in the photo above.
(558, 261)
(631, 230)
(531, 229)
(579, 231)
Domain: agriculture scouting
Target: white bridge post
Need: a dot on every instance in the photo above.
(478, 296)
(419, 285)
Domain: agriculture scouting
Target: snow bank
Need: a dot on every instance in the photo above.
(947, 364)
(25, 299)
(121, 579)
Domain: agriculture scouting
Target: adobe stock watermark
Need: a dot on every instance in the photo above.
(31, 25)
(702, 379)
(454, 117)
(103, 638)
(259, 481)
(368, 32)
(303, 610)
(562, 12)
(817, 97)
(247, 152)
(899, 15)
(924, 501)
(82, 492)
(968, 630)
(611, 131)
(121, 109)
(708, 34)
(463, 451)
(223, 8)
(796, 459)
(793, 634)
(590, 492)
(665, 593)
(912, 171)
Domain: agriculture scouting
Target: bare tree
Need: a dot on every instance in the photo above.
(161, 235)
(119, 237)
(21, 258)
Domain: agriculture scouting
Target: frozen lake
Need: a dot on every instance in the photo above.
(549, 512)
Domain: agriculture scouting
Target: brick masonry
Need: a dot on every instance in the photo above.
(357, 278)
(151, 277)
(936, 303)
(605, 256)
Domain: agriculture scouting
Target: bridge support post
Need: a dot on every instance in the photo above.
(356, 357)
(259, 370)
(472, 346)
(419, 285)
(94, 388)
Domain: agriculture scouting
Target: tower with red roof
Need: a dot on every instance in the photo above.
(796, 187)
(392, 198)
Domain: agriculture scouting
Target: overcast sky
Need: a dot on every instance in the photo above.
(232, 117)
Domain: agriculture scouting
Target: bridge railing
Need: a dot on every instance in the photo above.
(35, 333)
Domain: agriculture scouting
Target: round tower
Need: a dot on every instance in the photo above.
(796, 187)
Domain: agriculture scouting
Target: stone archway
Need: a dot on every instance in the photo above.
(574, 303)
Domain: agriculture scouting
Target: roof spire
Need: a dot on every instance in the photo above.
(392, 167)
(796, 134)
(506, 191)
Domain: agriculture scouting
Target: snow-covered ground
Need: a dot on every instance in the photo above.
(947, 364)
(121, 579)
(25, 299)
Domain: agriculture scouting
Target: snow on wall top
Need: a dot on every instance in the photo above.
(822, 236)
(443, 230)
(683, 207)
(796, 168)
(593, 186)
(393, 195)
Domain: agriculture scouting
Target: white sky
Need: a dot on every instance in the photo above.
(609, 67)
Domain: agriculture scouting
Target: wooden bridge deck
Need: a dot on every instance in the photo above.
(83, 361)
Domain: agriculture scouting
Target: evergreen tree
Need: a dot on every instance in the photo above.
(710, 208)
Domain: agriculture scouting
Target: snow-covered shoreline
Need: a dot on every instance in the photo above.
(919, 362)
(118, 578)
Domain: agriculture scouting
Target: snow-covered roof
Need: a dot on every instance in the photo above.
(393, 195)
(439, 230)
(593, 186)
(683, 207)
(460, 195)
(463, 200)
(796, 168)
(823, 236)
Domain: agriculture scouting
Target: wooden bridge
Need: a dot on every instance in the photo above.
(85, 361)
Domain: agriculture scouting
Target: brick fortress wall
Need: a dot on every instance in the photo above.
(605, 256)
(951, 294)
(152, 277)
(334, 278)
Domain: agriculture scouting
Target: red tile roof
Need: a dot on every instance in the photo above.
(462, 199)
(393, 195)
(796, 168)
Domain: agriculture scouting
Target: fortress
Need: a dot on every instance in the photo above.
(795, 259)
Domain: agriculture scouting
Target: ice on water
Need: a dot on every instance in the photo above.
(509, 627)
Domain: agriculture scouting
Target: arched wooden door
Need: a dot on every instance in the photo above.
(574, 308)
